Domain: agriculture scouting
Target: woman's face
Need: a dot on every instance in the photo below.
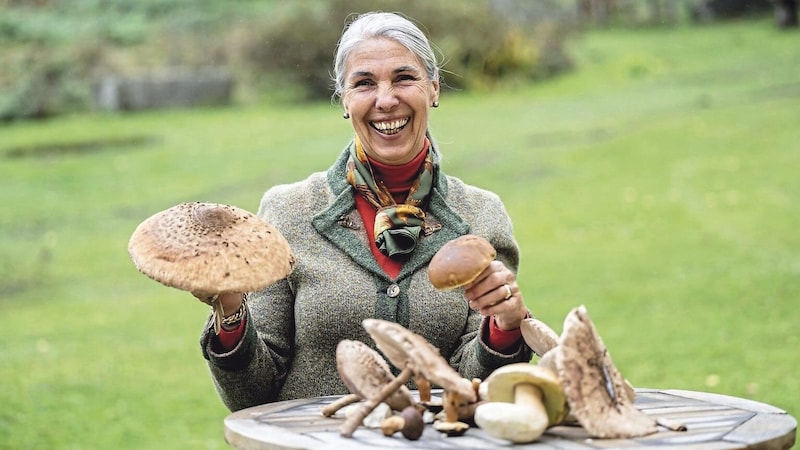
(388, 94)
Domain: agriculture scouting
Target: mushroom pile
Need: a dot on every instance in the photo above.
(210, 249)
(575, 379)
(415, 358)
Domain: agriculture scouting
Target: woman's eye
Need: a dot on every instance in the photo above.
(362, 83)
(406, 78)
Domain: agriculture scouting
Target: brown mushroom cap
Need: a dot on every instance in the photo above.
(596, 391)
(405, 348)
(460, 261)
(210, 248)
(501, 383)
(365, 373)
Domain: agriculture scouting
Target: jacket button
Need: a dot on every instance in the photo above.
(393, 291)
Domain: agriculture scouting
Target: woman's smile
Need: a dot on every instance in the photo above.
(390, 127)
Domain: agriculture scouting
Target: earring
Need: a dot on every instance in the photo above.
(346, 115)
(435, 104)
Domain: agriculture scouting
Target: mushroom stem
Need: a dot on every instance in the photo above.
(330, 409)
(218, 313)
(530, 396)
(452, 400)
(354, 421)
(424, 388)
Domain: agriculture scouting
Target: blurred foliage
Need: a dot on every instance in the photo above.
(481, 42)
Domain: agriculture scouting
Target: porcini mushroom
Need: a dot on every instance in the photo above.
(210, 249)
(523, 400)
(460, 261)
(597, 394)
(365, 373)
(408, 422)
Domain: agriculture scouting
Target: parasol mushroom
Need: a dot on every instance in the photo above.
(523, 400)
(210, 249)
(416, 357)
(597, 394)
(538, 335)
(365, 373)
(460, 261)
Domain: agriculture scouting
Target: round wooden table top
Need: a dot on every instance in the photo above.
(711, 422)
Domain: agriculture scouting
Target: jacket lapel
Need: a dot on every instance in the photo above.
(329, 222)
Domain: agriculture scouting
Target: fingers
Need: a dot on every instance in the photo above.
(496, 292)
(495, 285)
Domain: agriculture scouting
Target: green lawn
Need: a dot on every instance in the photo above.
(657, 184)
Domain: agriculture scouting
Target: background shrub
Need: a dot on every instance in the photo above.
(482, 42)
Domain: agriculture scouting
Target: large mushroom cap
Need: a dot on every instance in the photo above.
(501, 383)
(460, 261)
(596, 392)
(210, 248)
(365, 373)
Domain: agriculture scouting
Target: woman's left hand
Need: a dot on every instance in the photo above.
(495, 292)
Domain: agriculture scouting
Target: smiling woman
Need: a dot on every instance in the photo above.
(363, 234)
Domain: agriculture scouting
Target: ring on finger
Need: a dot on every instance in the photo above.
(508, 292)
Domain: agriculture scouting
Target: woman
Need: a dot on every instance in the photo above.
(362, 234)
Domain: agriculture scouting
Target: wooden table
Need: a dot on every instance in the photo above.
(712, 421)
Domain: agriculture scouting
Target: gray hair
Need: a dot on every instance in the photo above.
(388, 25)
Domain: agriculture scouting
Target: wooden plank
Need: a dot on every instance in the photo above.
(764, 432)
(733, 402)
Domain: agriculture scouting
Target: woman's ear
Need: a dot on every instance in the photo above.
(435, 91)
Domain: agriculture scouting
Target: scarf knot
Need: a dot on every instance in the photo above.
(397, 226)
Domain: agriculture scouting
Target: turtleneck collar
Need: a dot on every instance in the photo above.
(398, 179)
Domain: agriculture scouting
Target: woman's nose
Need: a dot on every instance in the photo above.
(385, 97)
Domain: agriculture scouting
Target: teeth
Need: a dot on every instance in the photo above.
(390, 127)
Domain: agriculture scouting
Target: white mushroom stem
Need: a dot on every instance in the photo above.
(522, 422)
(354, 421)
(530, 396)
(329, 410)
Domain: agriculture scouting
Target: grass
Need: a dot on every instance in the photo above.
(657, 185)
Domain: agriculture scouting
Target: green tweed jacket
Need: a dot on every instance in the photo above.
(293, 326)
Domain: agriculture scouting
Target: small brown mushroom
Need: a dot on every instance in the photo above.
(597, 394)
(365, 373)
(409, 423)
(460, 261)
(523, 400)
(210, 249)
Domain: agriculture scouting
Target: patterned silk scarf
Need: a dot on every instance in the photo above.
(397, 227)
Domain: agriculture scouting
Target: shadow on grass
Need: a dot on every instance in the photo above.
(71, 148)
